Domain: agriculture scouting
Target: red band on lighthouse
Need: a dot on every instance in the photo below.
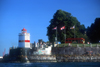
(24, 40)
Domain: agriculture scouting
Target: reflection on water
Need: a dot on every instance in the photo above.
(61, 64)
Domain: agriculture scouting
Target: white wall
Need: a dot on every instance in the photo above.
(24, 44)
(25, 36)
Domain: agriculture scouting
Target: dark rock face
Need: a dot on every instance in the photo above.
(61, 54)
(77, 54)
(76, 50)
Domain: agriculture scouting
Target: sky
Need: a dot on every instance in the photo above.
(34, 15)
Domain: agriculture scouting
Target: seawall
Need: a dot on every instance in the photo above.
(77, 54)
(75, 50)
(60, 54)
(42, 58)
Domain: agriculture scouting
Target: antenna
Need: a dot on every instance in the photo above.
(4, 52)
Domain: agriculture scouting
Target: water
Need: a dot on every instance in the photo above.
(60, 64)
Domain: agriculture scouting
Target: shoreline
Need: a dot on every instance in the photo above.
(63, 58)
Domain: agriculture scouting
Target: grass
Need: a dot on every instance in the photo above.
(80, 45)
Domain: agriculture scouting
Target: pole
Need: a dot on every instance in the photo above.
(56, 35)
(65, 34)
(74, 31)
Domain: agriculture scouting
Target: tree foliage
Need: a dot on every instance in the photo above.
(63, 18)
(93, 31)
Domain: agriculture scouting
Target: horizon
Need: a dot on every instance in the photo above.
(35, 16)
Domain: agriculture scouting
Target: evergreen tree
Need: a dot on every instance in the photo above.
(62, 18)
(93, 31)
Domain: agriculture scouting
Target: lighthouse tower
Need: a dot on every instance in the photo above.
(24, 39)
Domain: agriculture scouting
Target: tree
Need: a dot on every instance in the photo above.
(94, 31)
(62, 18)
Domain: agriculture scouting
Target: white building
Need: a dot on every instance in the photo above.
(44, 51)
(24, 39)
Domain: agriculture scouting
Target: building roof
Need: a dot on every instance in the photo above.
(24, 29)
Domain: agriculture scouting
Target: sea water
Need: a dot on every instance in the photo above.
(56, 64)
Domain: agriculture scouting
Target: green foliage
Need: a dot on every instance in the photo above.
(62, 18)
(93, 31)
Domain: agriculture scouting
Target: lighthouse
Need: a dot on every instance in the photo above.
(24, 39)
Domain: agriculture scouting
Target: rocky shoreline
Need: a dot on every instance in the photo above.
(78, 58)
(61, 54)
(61, 58)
